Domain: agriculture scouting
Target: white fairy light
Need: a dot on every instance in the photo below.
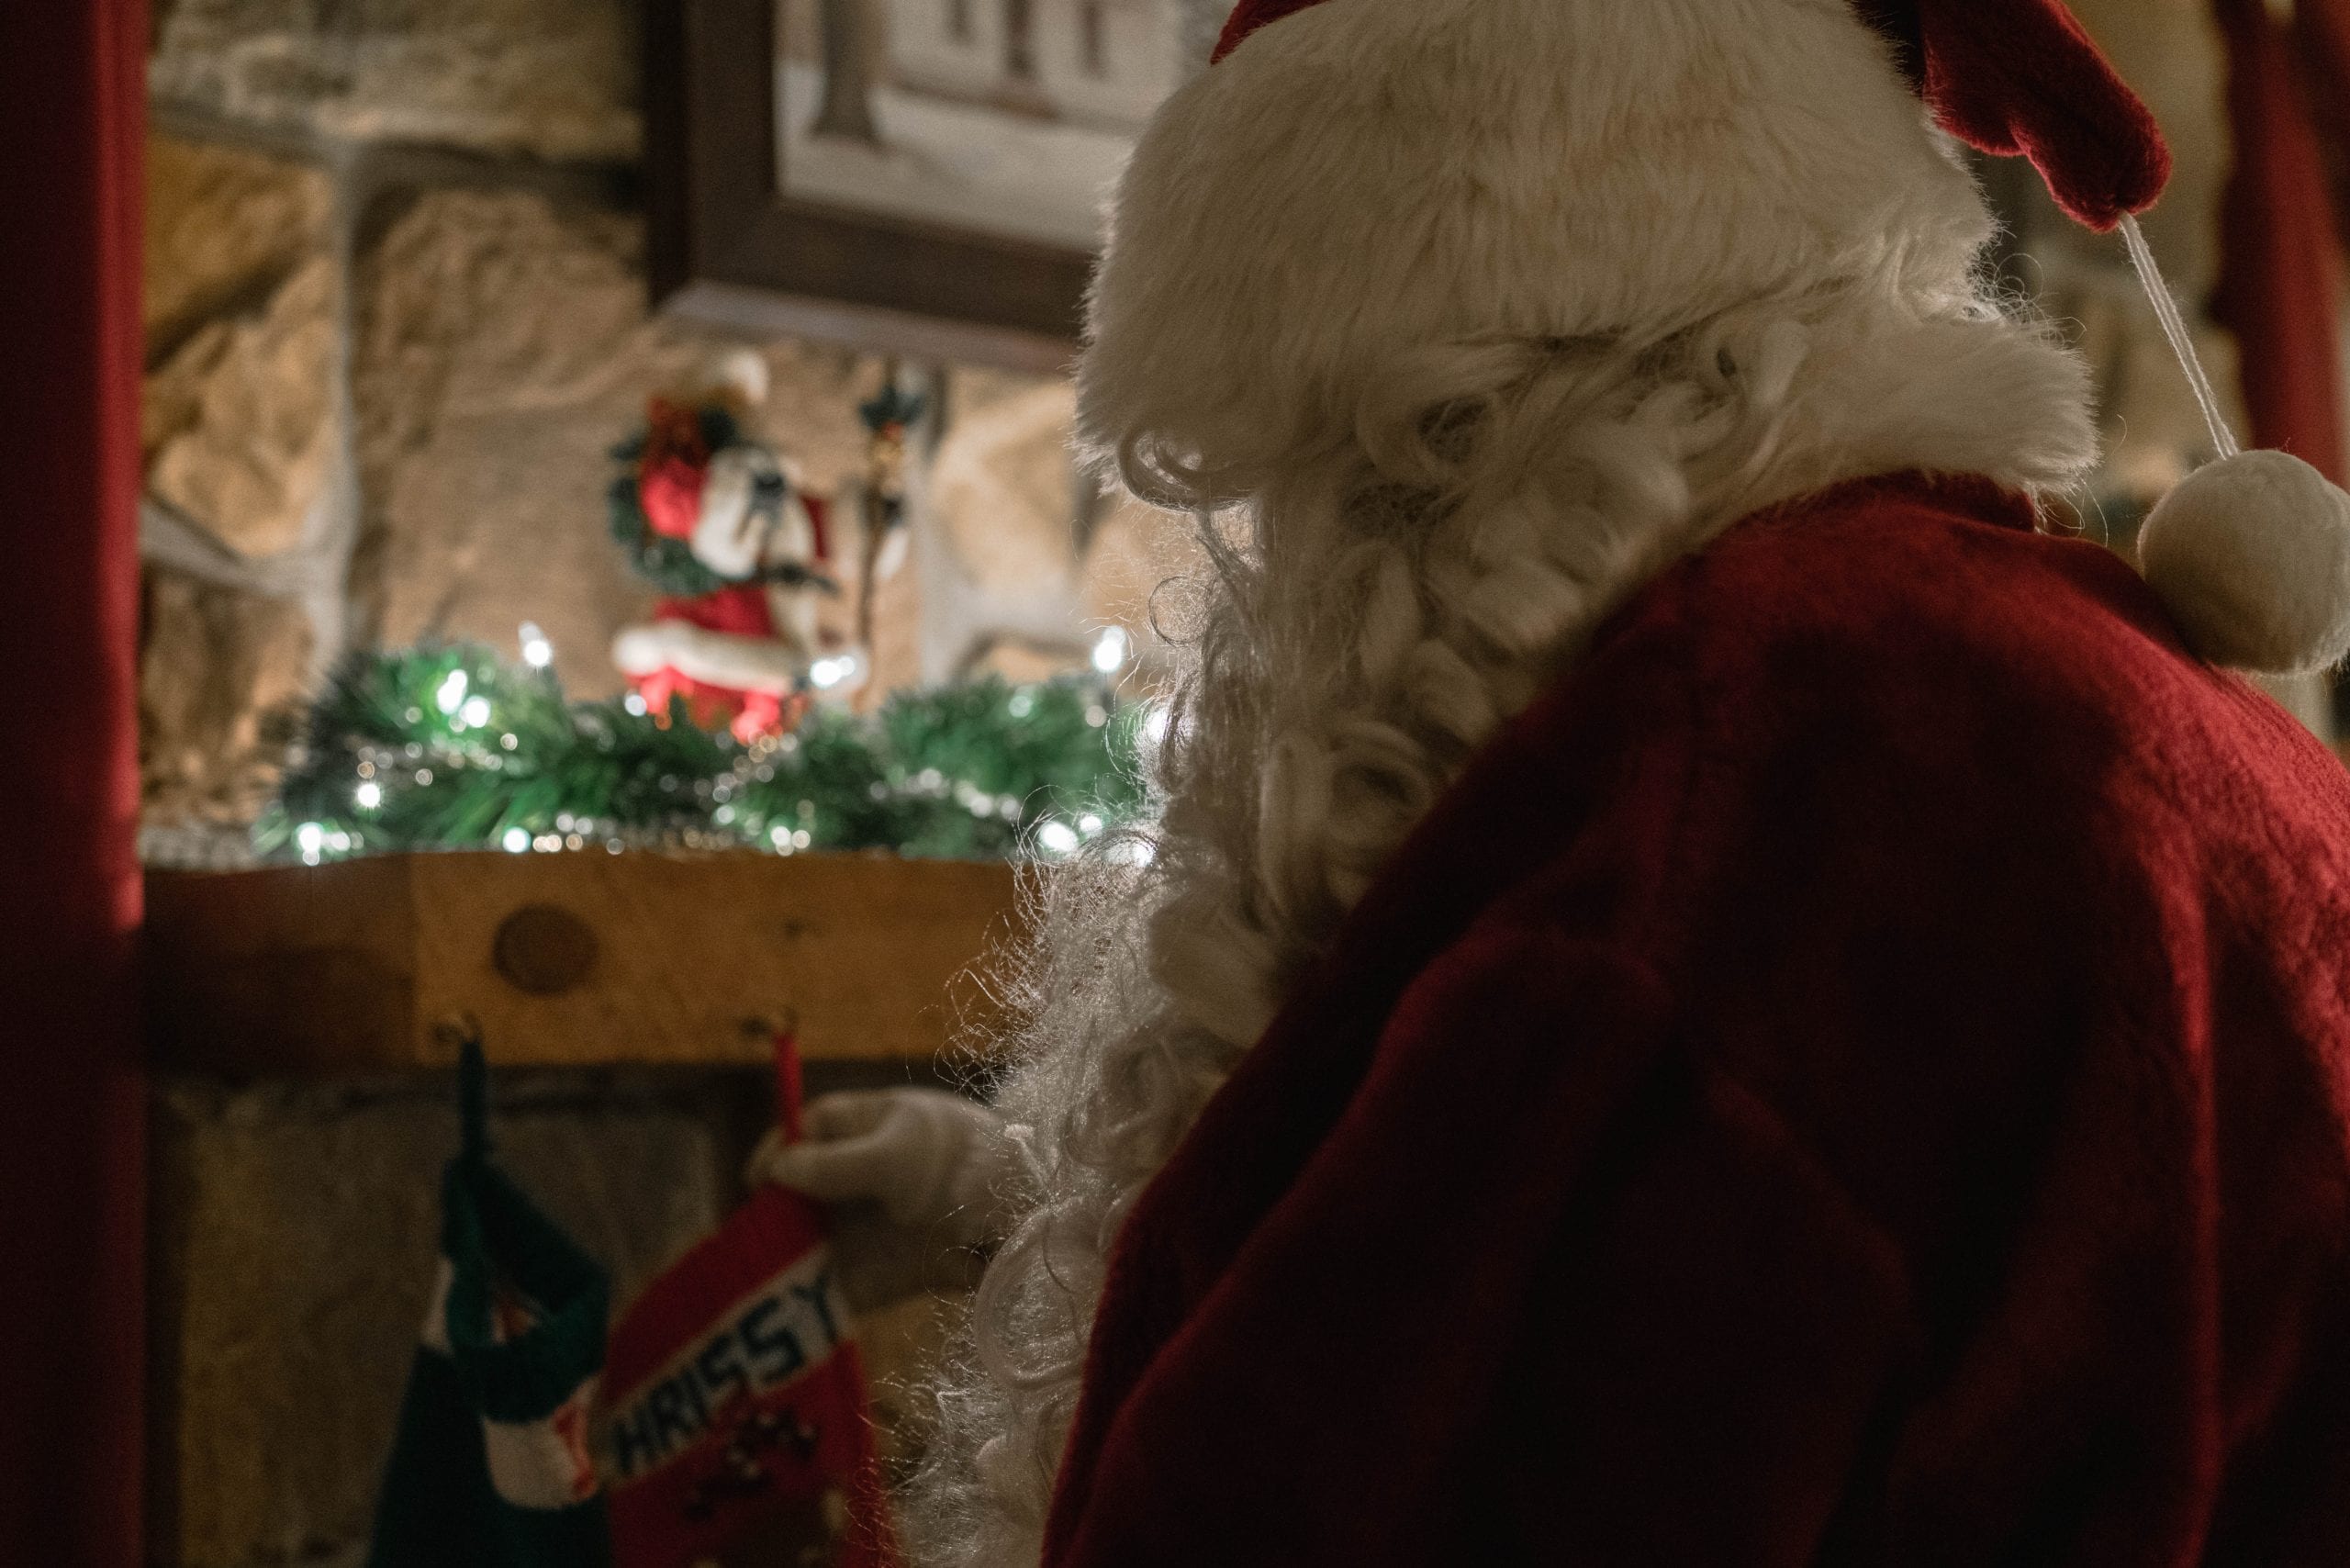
(635, 704)
(537, 652)
(368, 796)
(517, 840)
(1133, 852)
(1057, 837)
(1161, 720)
(1112, 649)
(451, 695)
(1089, 825)
(476, 711)
(826, 675)
(312, 839)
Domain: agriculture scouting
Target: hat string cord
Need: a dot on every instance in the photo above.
(2182, 343)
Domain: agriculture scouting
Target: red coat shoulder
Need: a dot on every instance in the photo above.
(1855, 1074)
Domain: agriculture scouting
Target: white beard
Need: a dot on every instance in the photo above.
(1378, 608)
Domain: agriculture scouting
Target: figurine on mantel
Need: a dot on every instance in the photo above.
(1704, 989)
(742, 553)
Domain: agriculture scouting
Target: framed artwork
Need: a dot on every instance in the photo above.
(920, 176)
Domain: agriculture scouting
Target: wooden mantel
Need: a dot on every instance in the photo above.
(574, 960)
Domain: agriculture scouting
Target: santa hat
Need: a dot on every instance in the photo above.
(1354, 174)
(2009, 77)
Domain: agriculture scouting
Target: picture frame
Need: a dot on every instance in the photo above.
(732, 245)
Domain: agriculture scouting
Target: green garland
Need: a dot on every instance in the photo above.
(452, 748)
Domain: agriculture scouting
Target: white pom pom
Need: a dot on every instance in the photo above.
(2252, 556)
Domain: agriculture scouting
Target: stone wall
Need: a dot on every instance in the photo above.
(396, 319)
(396, 316)
(295, 1241)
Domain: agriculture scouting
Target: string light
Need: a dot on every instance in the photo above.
(427, 747)
(537, 652)
(827, 675)
(1110, 650)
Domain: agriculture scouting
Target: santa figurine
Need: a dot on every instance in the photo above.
(1707, 988)
(744, 555)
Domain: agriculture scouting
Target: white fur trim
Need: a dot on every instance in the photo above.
(544, 1465)
(1363, 179)
(2252, 556)
(710, 658)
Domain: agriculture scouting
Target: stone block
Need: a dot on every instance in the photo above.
(1023, 594)
(218, 670)
(224, 224)
(554, 79)
(503, 348)
(239, 424)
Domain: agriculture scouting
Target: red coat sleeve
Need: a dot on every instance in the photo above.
(1626, 1322)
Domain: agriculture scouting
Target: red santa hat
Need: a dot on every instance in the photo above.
(1625, 167)
(2009, 77)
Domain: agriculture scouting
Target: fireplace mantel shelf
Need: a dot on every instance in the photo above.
(566, 960)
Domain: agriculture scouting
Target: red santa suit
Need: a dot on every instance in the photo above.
(1856, 1072)
(1922, 992)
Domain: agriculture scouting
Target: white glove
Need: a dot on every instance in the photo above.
(916, 1178)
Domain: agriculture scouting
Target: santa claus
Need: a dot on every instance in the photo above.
(1703, 987)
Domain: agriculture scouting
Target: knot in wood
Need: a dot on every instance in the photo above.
(542, 950)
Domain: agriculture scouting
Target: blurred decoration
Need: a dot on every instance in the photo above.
(712, 519)
(2280, 285)
(453, 749)
(887, 418)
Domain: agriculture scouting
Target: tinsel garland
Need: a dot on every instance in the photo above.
(453, 749)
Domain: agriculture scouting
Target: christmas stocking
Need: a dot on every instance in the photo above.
(739, 1400)
(491, 1466)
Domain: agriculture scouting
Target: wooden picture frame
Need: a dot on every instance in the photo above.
(729, 245)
